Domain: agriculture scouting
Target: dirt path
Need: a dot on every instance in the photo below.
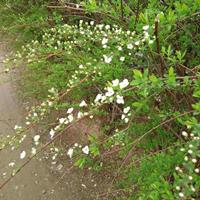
(36, 180)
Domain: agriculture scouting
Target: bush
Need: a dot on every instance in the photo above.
(144, 86)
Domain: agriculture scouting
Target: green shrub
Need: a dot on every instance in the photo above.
(143, 84)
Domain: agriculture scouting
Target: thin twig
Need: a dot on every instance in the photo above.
(158, 49)
(145, 134)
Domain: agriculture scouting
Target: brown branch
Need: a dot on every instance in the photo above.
(84, 11)
(162, 65)
(145, 134)
(39, 151)
(122, 10)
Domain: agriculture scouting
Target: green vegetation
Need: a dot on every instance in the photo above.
(134, 65)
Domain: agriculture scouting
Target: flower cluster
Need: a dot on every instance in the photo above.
(126, 114)
(84, 149)
(113, 92)
(188, 172)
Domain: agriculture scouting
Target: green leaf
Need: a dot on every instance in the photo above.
(197, 93)
(94, 150)
(196, 106)
(137, 104)
(137, 74)
(132, 22)
(80, 162)
(171, 78)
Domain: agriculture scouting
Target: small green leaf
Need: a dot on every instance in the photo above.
(171, 79)
(80, 163)
(137, 74)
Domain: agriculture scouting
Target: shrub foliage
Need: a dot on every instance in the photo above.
(133, 65)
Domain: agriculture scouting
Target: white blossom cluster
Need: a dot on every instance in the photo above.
(116, 43)
(84, 149)
(188, 170)
(126, 114)
(38, 112)
(113, 93)
(116, 46)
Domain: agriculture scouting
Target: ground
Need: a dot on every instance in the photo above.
(39, 180)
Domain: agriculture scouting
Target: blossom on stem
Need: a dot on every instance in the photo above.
(85, 150)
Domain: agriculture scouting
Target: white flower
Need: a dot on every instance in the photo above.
(185, 134)
(109, 92)
(137, 43)
(33, 151)
(133, 33)
(83, 103)
(130, 46)
(11, 164)
(177, 168)
(76, 144)
(120, 99)
(105, 46)
(190, 151)
(70, 110)
(150, 41)
(194, 160)
(103, 98)
(104, 41)
(107, 27)
(52, 133)
(50, 103)
(81, 67)
(70, 117)
(196, 170)
(80, 114)
(86, 150)
(124, 83)
(107, 59)
(7, 70)
(28, 123)
(126, 110)
(122, 59)
(126, 120)
(70, 152)
(186, 158)
(119, 48)
(36, 138)
(190, 177)
(17, 127)
(178, 188)
(101, 26)
(145, 27)
(83, 185)
(62, 120)
(52, 90)
(123, 116)
(181, 194)
(115, 82)
(92, 23)
(98, 97)
(22, 154)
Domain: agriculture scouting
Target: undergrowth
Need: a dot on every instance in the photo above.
(138, 74)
